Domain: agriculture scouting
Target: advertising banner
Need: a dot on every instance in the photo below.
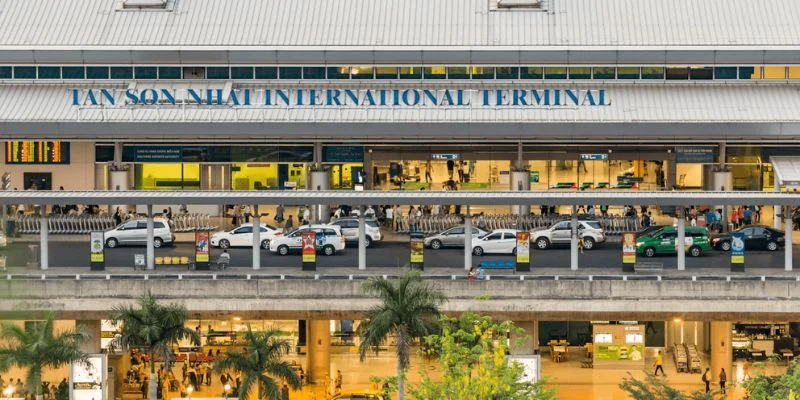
(201, 247)
(737, 251)
(309, 247)
(97, 249)
(523, 251)
(417, 251)
(87, 380)
(629, 248)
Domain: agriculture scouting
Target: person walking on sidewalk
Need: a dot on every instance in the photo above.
(659, 364)
(707, 379)
(723, 377)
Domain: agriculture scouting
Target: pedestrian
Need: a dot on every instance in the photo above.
(302, 375)
(748, 215)
(481, 221)
(746, 369)
(645, 220)
(735, 218)
(169, 213)
(741, 216)
(659, 364)
(289, 224)
(143, 388)
(450, 166)
(428, 171)
(307, 216)
(338, 381)
(117, 217)
(590, 211)
(235, 216)
(389, 216)
(279, 214)
(722, 379)
(707, 379)
(369, 212)
(247, 214)
(604, 210)
(285, 392)
(580, 244)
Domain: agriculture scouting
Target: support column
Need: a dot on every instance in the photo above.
(672, 171)
(787, 250)
(527, 341)
(44, 233)
(468, 240)
(573, 243)
(320, 180)
(91, 344)
(369, 176)
(721, 351)
(319, 350)
(362, 239)
(680, 242)
(256, 237)
(776, 209)
(520, 181)
(151, 252)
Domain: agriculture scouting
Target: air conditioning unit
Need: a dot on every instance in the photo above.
(519, 4)
(144, 4)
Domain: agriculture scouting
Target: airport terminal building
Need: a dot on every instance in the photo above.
(250, 95)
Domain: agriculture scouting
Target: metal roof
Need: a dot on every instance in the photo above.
(787, 168)
(388, 23)
(553, 197)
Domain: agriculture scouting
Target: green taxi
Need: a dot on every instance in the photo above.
(663, 242)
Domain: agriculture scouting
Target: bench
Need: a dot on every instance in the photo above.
(602, 185)
(563, 185)
(648, 267)
(586, 185)
(487, 265)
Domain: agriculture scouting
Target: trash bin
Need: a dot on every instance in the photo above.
(33, 255)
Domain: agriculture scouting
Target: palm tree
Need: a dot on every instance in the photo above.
(260, 364)
(154, 326)
(37, 348)
(409, 309)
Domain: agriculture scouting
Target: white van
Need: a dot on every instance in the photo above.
(134, 233)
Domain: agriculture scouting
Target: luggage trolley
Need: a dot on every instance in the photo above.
(681, 361)
(693, 358)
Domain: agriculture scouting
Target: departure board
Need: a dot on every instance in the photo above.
(37, 152)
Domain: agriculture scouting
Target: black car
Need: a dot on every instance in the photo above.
(756, 237)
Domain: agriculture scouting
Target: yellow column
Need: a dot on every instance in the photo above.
(319, 350)
(721, 351)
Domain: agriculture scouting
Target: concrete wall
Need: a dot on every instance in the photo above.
(343, 299)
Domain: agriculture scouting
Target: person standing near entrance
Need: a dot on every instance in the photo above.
(722, 379)
(659, 364)
(450, 165)
(707, 379)
(279, 214)
(428, 172)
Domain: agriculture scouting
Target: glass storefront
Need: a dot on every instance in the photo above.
(273, 176)
(167, 176)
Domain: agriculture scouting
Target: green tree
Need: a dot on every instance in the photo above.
(38, 348)
(155, 327)
(781, 387)
(653, 388)
(260, 364)
(408, 309)
(471, 352)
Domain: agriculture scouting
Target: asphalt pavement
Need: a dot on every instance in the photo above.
(391, 255)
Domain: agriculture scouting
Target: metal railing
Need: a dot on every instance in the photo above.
(428, 224)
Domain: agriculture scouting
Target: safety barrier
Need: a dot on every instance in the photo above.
(428, 224)
(82, 224)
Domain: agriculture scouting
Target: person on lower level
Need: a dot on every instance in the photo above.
(707, 379)
(723, 377)
(659, 364)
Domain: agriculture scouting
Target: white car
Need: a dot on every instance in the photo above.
(349, 226)
(242, 236)
(134, 233)
(501, 241)
(329, 240)
(561, 234)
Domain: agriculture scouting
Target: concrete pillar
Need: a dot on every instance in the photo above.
(319, 350)
(787, 251)
(91, 344)
(256, 237)
(44, 233)
(320, 180)
(362, 239)
(468, 240)
(369, 177)
(151, 252)
(527, 341)
(723, 182)
(573, 243)
(520, 181)
(672, 171)
(680, 241)
(776, 209)
(721, 351)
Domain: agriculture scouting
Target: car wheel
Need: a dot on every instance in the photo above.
(695, 251)
(224, 244)
(478, 251)
(111, 243)
(542, 243)
(328, 250)
(514, 251)
(588, 243)
(649, 252)
(265, 244)
(772, 246)
(158, 242)
(725, 246)
(283, 249)
(436, 244)
(368, 240)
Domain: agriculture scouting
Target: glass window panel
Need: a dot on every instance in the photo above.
(749, 73)
(794, 72)
(96, 72)
(531, 72)
(218, 73)
(701, 73)
(410, 72)
(24, 72)
(167, 176)
(507, 72)
(338, 72)
(362, 72)
(73, 72)
(252, 176)
(6, 72)
(266, 72)
(555, 73)
(652, 72)
(725, 73)
(678, 73)
(194, 72)
(580, 73)
(628, 73)
(774, 72)
(49, 72)
(169, 72)
(241, 72)
(605, 73)
(434, 73)
(121, 72)
(457, 73)
(145, 72)
(482, 72)
(313, 72)
(386, 72)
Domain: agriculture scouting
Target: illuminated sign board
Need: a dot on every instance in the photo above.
(37, 152)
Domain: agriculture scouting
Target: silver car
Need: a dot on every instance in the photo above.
(372, 229)
(453, 237)
(134, 233)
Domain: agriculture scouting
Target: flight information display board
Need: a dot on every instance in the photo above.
(37, 152)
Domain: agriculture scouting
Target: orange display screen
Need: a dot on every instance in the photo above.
(37, 152)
